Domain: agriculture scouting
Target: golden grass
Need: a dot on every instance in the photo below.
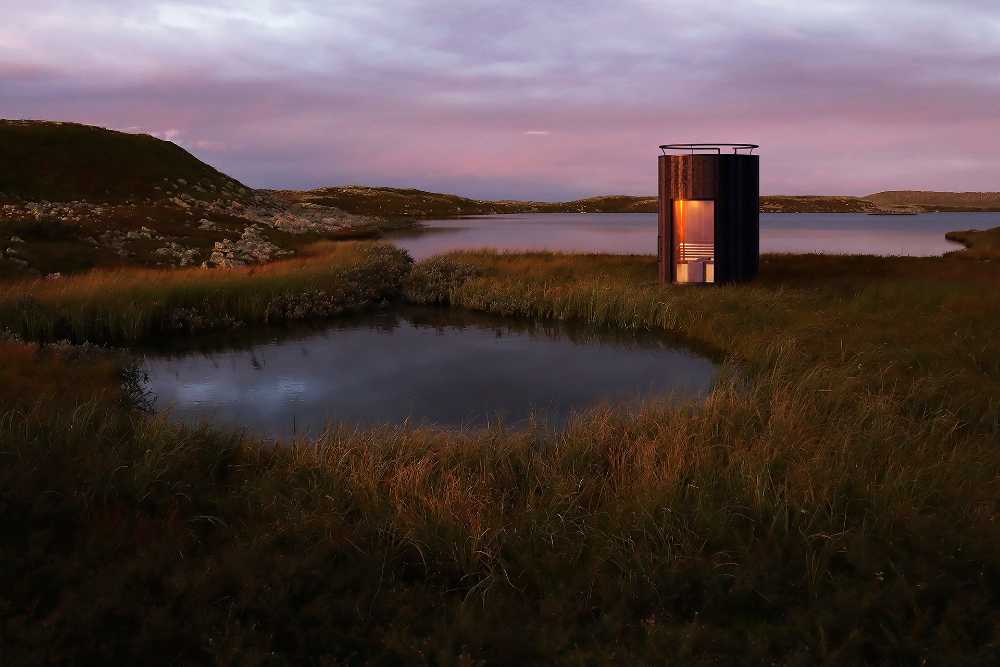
(983, 244)
(126, 305)
(30, 372)
(835, 500)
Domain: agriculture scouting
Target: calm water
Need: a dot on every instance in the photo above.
(635, 233)
(440, 366)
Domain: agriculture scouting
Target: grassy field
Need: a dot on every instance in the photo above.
(834, 500)
(126, 305)
(979, 244)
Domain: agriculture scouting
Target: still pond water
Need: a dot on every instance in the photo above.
(428, 365)
(635, 233)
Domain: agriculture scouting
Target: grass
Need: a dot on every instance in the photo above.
(833, 501)
(983, 244)
(126, 305)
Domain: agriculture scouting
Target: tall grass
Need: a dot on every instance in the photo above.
(834, 500)
(127, 305)
(772, 523)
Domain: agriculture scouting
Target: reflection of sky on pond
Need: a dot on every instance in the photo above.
(454, 368)
(635, 233)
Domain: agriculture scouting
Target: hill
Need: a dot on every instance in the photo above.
(815, 204)
(75, 197)
(412, 203)
(938, 201)
(407, 202)
(42, 160)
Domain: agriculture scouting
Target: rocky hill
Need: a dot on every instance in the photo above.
(74, 197)
(938, 201)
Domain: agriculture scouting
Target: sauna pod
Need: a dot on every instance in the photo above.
(709, 213)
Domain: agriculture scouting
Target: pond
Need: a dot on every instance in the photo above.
(635, 233)
(436, 366)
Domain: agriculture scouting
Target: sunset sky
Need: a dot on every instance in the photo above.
(524, 98)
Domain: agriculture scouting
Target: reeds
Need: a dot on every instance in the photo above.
(125, 306)
(833, 500)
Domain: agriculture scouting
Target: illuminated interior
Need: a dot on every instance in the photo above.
(694, 240)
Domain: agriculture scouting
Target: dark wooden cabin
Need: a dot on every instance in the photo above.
(709, 213)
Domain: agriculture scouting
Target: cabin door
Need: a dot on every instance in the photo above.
(694, 241)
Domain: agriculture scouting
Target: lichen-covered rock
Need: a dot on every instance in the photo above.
(178, 254)
(143, 233)
(251, 248)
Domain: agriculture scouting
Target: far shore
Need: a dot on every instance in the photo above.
(411, 203)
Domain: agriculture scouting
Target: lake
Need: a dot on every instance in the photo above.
(428, 365)
(635, 233)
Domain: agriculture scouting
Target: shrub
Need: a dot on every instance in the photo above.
(433, 281)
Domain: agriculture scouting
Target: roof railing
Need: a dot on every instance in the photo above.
(693, 148)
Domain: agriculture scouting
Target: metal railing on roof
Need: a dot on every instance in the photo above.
(693, 148)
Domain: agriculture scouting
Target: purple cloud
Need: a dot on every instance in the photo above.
(527, 99)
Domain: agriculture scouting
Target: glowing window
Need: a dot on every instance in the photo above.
(694, 241)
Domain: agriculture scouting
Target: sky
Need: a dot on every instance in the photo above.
(526, 98)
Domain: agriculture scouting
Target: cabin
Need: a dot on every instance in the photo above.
(709, 213)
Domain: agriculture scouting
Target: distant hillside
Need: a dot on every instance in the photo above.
(402, 202)
(939, 201)
(393, 202)
(815, 204)
(408, 202)
(42, 160)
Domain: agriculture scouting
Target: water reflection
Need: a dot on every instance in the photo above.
(635, 233)
(441, 366)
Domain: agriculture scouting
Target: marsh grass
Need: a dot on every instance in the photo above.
(124, 306)
(979, 244)
(834, 499)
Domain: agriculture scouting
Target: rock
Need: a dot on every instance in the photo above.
(178, 254)
(16, 239)
(251, 248)
(143, 233)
